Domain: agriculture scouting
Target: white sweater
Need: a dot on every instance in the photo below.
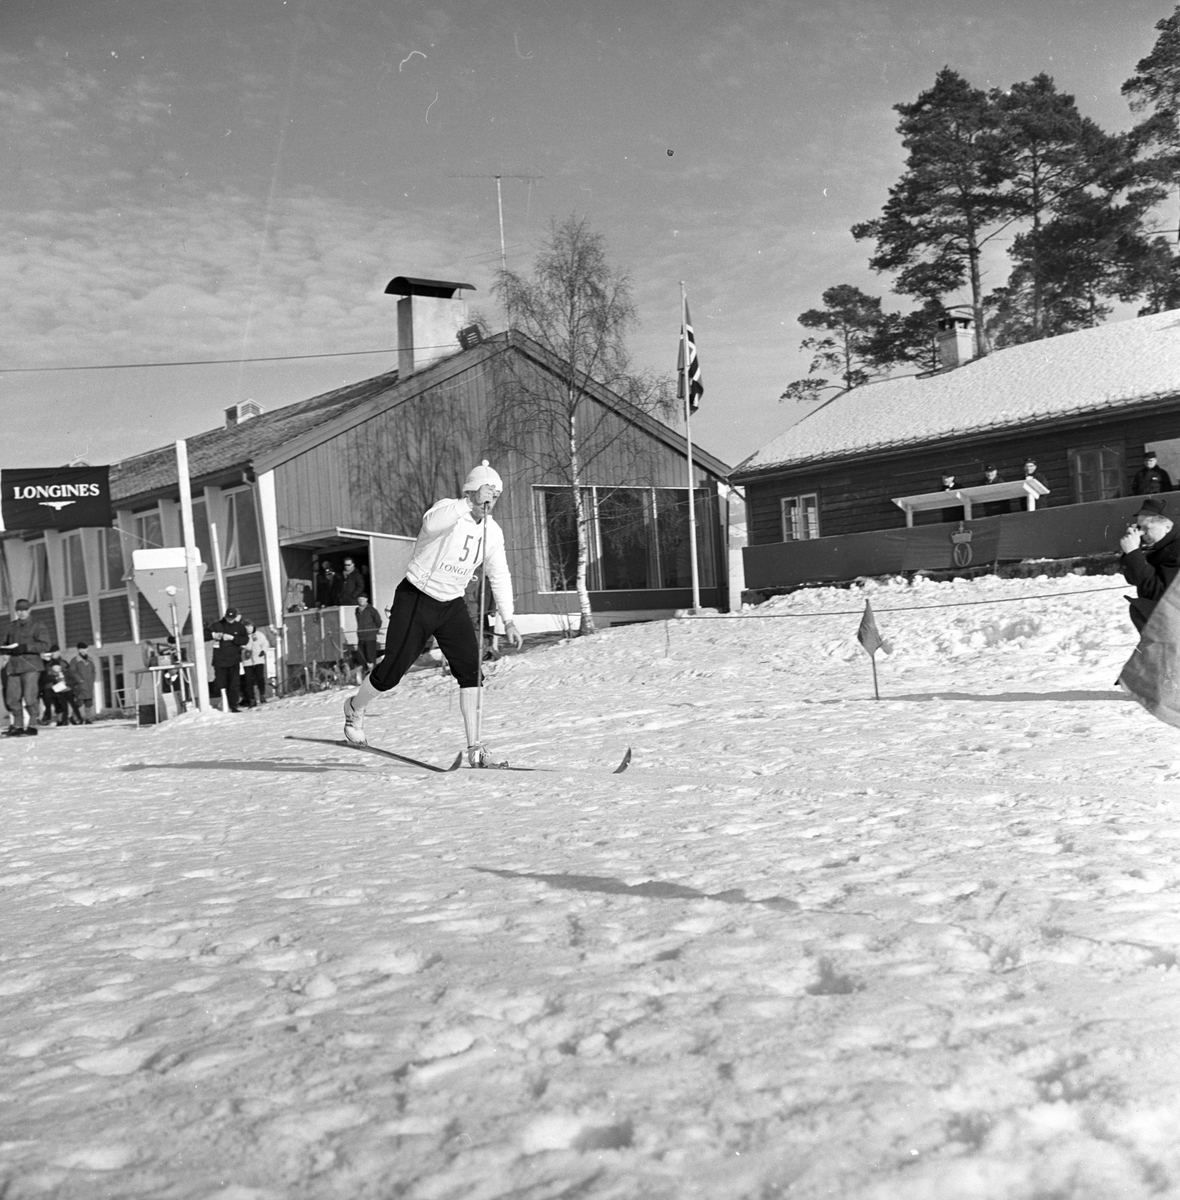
(451, 545)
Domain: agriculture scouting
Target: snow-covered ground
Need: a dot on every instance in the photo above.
(810, 945)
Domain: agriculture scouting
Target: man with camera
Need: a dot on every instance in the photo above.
(1151, 558)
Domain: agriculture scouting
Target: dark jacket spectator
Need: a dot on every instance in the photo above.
(229, 636)
(1152, 479)
(327, 587)
(80, 675)
(1152, 564)
(368, 631)
(351, 585)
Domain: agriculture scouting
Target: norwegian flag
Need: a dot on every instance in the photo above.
(696, 389)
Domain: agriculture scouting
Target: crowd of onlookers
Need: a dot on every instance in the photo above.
(40, 685)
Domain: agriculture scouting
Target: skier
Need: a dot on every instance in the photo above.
(455, 538)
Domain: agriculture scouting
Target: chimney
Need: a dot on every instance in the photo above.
(429, 318)
(956, 340)
(236, 414)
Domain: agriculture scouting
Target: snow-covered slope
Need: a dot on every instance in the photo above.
(809, 945)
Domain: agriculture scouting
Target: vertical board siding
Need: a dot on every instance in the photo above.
(150, 625)
(247, 593)
(383, 473)
(49, 617)
(77, 622)
(115, 619)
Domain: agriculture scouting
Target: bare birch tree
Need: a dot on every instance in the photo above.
(578, 309)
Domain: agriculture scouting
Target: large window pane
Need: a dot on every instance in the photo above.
(73, 564)
(672, 537)
(149, 533)
(624, 529)
(559, 528)
(242, 546)
(112, 559)
(201, 532)
(40, 586)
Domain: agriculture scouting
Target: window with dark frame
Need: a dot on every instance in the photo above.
(1096, 472)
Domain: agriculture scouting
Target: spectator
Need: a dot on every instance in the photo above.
(351, 585)
(1030, 472)
(229, 636)
(24, 641)
(1151, 558)
(949, 485)
(994, 508)
(368, 628)
(1152, 479)
(327, 586)
(254, 666)
(55, 690)
(80, 675)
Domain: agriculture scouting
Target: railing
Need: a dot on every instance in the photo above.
(1066, 531)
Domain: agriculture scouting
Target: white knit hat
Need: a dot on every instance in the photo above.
(481, 475)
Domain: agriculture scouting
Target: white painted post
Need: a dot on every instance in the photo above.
(200, 667)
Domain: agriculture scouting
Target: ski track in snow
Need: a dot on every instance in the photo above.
(810, 945)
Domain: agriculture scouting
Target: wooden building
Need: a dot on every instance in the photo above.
(821, 497)
(277, 494)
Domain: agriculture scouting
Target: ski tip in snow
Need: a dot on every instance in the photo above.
(624, 764)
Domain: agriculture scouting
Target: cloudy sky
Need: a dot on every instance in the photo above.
(220, 180)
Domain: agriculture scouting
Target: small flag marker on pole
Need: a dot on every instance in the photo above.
(871, 641)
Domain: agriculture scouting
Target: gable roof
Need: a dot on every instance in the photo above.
(1108, 367)
(220, 451)
(274, 437)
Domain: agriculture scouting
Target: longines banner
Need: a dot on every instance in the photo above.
(55, 498)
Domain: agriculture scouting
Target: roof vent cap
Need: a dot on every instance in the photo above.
(237, 414)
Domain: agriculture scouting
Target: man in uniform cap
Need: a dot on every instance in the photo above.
(1151, 558)
(229, 636)
(455, 538)
(24, 641)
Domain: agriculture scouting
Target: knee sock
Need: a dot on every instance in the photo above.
(468, 703)
(364, 694)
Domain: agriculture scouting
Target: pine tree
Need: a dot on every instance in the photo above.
(1046, 156)
(947, 205)
(1156, 86)
(851, 318)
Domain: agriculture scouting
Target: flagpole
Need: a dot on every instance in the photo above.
(873, 660)
(692, 504)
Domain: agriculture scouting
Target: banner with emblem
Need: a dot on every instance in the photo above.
(55, 498)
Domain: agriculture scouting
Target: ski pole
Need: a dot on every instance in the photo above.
(479, 634)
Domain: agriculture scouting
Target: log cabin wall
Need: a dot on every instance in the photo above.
(855, 496)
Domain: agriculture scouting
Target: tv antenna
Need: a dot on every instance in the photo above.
(500, 203)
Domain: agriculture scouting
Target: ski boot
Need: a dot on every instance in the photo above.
(477, 756)
(354, 725)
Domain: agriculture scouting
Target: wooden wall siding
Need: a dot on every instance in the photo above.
(115, 619)
(77, 622)
(383, 474)
(247, 593)
(49, 617)
(856, 497)
(151, 628)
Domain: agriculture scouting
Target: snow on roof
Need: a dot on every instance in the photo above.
(1122, 363)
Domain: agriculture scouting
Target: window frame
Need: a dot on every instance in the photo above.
(786, 525)
(1118, 449)
(231, 551)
